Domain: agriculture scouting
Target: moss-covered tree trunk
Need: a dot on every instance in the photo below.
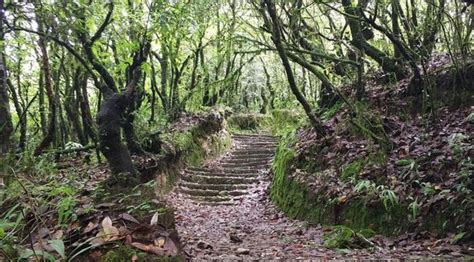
(109, 121)
(353, 18)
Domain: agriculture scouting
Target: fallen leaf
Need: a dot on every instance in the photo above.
(150, 249)
(160, 242)
(90, 226)
(109, 232)
(58, 234)
(154, 219)
(105, 205)
(128, 217)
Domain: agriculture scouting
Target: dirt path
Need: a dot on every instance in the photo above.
(223, 212)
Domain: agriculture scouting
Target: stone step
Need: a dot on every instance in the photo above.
(245, 152)
(214, 198)
(219, 179)
(238, 170)
(222, 170)
(191, 185)
(247, 166)
(221, 173)
(247, 136)
(257, 143)
(207, 203)
(210, 192)
(245, 157)
(227, 181)
(245, 161)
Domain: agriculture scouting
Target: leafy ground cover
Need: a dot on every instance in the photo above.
(389, 171)
(71, 211)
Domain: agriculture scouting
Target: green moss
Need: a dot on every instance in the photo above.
(352, 169)
(247, 122)
(294, 197)
(284, 121)
(195, 145)
(368, 124)
(121, 253)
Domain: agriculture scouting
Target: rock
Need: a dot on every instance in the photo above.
(203, 245)
(234, 238)
(298, 232)
(229, 258)
(242, 251)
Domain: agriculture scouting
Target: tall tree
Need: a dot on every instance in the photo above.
(48, 85)
(6, 125)
(276, 38)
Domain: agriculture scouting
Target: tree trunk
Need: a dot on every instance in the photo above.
(358, 40)
(20, 105)
(71, 105)
(395, 27)
(41, 103)
(19, 112)
(432, 23)
(6, 125)
(276, 38)
(86, 115)
(108, 120)
(48, 85)
(268, 84)
(128, 126)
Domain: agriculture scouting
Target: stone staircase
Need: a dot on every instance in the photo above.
(228, 179)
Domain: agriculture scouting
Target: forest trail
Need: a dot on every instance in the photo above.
(223, 212)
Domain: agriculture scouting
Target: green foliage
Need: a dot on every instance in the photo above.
(285, 121)
(338, 237)
(42, 166)
(246, 122)
(44, 255)
(195, 145)
(389, 198)
(352, 169)
(344, 237)
(367, 123)
(66, 210)
(330, 112)
(121, 253)
(470, 118)
(282, 164)
(10, 223)
(414, 207)
(58, 246)
(279, 122)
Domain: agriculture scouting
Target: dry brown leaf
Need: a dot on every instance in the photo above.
(58, 234)
(128, 217)
(91, 226)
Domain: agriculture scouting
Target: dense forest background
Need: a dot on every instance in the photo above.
(87, 82)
